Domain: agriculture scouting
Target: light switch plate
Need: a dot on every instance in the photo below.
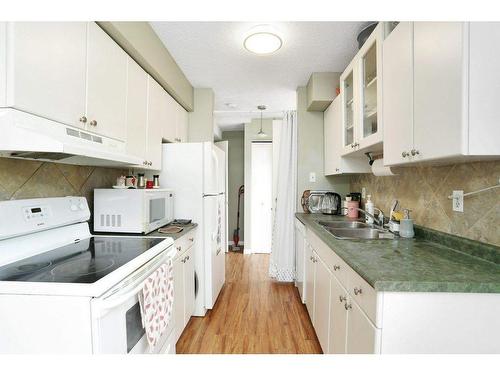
(312, 177)
(458, 200)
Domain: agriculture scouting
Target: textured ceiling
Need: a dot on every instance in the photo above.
(211, 54)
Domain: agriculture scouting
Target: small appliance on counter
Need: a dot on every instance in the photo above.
(132, 210)
(312, 202)
(331, 204)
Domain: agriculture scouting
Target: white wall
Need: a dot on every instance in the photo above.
(310, 155)
(251, 130)
(201, 120)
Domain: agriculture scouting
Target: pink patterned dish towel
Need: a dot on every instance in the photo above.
(156, 302)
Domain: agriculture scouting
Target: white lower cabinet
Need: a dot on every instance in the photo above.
(184, 285)
(362, 336)
(309, 282)
(340, 324)
(338, 318)
(322, 302)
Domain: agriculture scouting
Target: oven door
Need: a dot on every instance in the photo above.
(159, 209)
(116, 316)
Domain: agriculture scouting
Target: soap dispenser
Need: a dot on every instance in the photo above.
(406, 225)
(370, 208)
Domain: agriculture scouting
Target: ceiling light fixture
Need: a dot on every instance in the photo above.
(261, 133)
(262, 40)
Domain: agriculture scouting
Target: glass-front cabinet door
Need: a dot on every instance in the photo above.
(370, 67)
(361, 90)
(348, 93)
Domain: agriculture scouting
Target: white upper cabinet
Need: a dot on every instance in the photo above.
(137, 109)
(106, 84)
(335, 163)
(157, 118)
(45, 68)
(438, 88)
(169, 129)
(441, 94)
(398, 93)
(484, 88)
(182, 124)
(361, 93)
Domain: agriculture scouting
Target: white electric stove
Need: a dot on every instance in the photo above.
(63, 290)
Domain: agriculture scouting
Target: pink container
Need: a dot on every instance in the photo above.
(351, 212)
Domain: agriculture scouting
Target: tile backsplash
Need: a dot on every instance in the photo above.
(425, 190)
(22, 179)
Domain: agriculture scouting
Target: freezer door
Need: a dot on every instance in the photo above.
(210, 169)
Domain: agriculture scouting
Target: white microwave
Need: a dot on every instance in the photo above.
(132, 210)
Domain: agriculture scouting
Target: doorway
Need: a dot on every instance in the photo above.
(261, 198)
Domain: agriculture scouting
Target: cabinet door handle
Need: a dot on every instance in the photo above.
(191, 239)
(335, 267)
(93, 123)
(83, 119)
(405, 154)
(187, 258)
(414, 152)
(347, 306)
(179, 248)
(342, 299)
(357, 291)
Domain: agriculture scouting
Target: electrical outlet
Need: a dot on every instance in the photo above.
(312, 177)
(363, 193)
(458, 200)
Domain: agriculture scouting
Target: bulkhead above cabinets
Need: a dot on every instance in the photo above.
(321, 90)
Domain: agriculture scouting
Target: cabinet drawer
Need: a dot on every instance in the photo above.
(184, 243)
(335, 264)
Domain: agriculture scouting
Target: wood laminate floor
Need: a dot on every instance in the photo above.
(253, 314)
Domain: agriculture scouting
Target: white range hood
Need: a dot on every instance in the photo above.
(26, 136)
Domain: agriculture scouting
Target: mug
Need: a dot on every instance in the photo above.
(130, 181)
(120, 181)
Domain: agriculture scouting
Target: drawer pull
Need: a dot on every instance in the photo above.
(342, 299)
(347, 306)
(191, 239)
(335, 267)
(357, 291)
(179, 248)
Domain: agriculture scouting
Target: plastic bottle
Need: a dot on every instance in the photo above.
(370, 208)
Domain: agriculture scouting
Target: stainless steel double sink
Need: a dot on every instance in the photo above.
(355, 230)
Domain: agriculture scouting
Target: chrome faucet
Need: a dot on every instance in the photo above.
(379, 221)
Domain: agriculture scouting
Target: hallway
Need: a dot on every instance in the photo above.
(253, 314)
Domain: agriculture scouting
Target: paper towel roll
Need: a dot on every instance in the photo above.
(378, 169)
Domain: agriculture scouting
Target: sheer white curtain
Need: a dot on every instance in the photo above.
(282, 264)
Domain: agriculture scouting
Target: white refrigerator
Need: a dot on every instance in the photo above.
(196, 173)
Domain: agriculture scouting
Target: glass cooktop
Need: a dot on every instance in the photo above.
(85, 261)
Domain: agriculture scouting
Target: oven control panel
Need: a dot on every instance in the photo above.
(36, 212)
(19, 217)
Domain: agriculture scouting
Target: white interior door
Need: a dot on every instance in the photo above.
(261, 199)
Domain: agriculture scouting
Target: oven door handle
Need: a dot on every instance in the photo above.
(119, 296)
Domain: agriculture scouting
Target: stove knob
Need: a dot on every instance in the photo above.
(73, 207)
(81, 206)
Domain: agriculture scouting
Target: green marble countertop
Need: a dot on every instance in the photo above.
(410, 265)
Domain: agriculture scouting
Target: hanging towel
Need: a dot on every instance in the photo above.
(156, 301)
